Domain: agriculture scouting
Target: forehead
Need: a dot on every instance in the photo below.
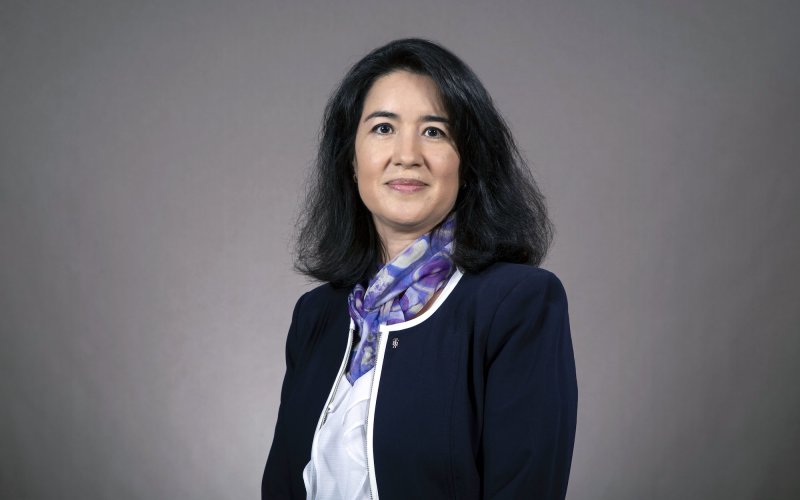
(400, 91)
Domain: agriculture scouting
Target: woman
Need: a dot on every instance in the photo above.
(436, 361)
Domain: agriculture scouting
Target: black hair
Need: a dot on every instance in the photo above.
(500, 212)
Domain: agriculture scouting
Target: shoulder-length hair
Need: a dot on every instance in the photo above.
(500, 212)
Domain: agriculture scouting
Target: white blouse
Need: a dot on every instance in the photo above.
(338, 465)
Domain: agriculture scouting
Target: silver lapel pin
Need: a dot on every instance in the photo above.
(395, 341)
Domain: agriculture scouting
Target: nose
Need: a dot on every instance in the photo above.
(407, 152)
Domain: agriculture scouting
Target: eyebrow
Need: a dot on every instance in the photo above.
(395, 116)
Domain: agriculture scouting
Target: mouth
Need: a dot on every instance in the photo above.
(406, 185)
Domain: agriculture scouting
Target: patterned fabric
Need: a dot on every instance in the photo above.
(399, 291)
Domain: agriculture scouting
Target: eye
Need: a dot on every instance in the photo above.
(433, 132)
(382, 128)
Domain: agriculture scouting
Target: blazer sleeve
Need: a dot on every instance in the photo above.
(531, 394)
(277, 480)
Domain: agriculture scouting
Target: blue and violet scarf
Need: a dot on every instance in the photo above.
(399, 291)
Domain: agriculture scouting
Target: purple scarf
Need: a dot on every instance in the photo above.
(399, 291)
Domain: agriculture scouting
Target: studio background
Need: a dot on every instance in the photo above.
(152, 158)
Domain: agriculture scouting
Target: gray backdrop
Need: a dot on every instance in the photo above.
(153, 156)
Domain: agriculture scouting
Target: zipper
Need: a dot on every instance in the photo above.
(342, 368)
(366, 423)
(324, 415)
(380, 348)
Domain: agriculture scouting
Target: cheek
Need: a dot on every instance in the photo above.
(448, 185)
(369, 158)
(450, 171)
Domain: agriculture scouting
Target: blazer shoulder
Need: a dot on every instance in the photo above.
(500, 278)
(319, 298)
(321, 306)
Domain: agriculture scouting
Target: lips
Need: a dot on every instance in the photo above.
(406, 185)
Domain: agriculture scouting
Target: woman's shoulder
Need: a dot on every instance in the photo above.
(504, 291)
(321, 298)
(318, 313)
(516, 304)
(502, 278)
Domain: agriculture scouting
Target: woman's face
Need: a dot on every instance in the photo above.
(406, 163)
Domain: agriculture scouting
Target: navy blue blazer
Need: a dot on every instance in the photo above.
(477, 398)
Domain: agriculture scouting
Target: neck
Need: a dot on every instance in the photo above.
(396, 239)
(394, 244)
